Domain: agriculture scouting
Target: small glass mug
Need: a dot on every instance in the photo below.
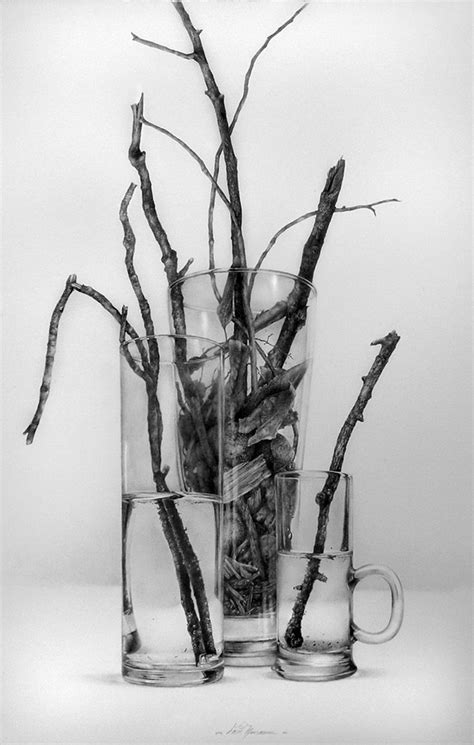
(316, 578)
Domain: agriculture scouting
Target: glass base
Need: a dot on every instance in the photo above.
(258, 653)
(314, 667)
(172, 676)
(250, 641)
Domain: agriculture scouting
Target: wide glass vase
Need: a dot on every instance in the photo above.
(264, 321)
(172, 418)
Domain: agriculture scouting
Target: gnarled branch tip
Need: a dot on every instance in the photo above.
(390, 338)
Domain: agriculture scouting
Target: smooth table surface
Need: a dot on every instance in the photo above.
(62, 682)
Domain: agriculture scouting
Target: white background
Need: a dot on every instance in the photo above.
(387, 86)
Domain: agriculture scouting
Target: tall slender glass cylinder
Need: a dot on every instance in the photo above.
(264, 320)
(172, 420)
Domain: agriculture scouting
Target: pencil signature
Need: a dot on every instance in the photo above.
(245, 729)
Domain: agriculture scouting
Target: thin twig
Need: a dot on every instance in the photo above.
(235, 118)
(307, 215)
(277, 313)
(198, 160)
(293, 634)
(369, 206)
(116, 314)
(162, 48)
(254, 59)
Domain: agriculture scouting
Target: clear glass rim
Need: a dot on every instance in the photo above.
(307, 474)
(244, 270)
(218, 346)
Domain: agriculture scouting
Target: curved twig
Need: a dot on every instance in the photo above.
(307, 215)
(71, 285)
(198, 160)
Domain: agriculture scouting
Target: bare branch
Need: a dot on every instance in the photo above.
(311, 253)
(71, 285)
(198, 160)
(307, 215)
(388, 343)
(161, 47)
(217, 100)
(30, 431)
(274, 239)
(279, 310)
(240, 105)
(365, 206)
(169, 258)
(257, 54)
(129, 245)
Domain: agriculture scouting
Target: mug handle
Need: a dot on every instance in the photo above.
(396, 616)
